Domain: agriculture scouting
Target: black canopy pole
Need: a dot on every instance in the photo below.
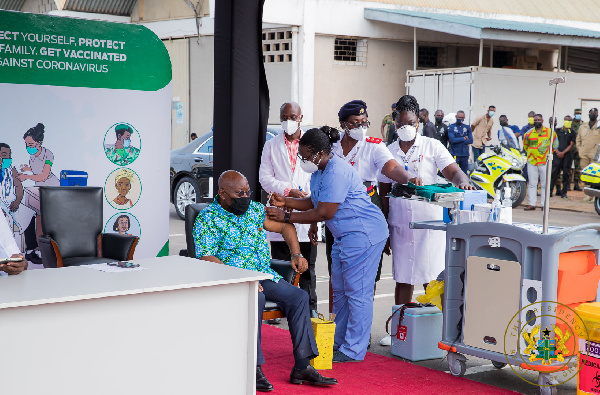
(241, 96)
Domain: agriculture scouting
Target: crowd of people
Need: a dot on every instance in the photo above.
(574, 146)
(334, 176)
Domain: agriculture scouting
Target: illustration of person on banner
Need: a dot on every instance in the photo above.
(39, 170)
(11, 196)
(122, 153)
(123, 181)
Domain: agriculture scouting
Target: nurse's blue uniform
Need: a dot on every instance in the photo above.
(360, 231)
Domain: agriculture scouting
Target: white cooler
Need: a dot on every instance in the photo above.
(417, 337)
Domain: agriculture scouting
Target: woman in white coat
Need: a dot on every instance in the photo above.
(280, 173)
(418, 254)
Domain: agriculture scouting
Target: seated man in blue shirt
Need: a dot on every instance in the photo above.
(460, 137)
(231, 231)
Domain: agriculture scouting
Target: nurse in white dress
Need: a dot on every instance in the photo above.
(418, 254)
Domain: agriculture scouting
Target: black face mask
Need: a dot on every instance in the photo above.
(421, 120)
(239, 205)
(438, 119)
(537, 125)
(503, 123)
(593, 117)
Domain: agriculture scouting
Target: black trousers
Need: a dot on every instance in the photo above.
(563, 164)
(294, 303)
(308, 279)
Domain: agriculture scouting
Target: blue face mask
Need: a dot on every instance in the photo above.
(6, 162)
(491, 113)
(578, 116)
(459, 121)
(32, 150)
(126, 143)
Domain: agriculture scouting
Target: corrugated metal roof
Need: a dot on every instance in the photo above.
(112, 7)
(11, 5)
(497, 24)
(575, 10)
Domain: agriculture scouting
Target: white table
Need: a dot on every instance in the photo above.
(182, 326)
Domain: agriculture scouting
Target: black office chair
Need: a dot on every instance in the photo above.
(72, 229)
(282, 267)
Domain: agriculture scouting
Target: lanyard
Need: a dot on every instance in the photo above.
(406, 158)
(351, 160)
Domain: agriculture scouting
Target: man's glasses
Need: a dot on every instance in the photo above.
(243, 193)
(352, 125)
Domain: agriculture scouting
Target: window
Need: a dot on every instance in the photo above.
(277, 46)
(206, 147)
(428, 57)
(350, 51)
(503, 58)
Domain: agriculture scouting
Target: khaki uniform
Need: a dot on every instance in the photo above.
(481, 128)
(587, 142)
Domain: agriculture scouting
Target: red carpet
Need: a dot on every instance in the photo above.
(375, 375)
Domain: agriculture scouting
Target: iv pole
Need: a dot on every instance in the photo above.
(555, 82)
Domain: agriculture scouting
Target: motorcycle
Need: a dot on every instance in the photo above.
(499, 168)
(591, 175)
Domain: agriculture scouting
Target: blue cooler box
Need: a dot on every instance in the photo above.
(73, 178)
(470, 198)
(417, 337)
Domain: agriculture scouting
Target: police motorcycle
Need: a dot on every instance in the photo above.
(501, 167)
(591, 175)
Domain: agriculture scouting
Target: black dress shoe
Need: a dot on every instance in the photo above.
(309, 376)
(262, 384)
(576, 188)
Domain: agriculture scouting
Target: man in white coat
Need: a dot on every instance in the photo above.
(279, 173)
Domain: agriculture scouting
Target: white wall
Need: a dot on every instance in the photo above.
(201, 84)
(379, 83)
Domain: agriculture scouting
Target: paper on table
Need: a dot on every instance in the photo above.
(103, 267)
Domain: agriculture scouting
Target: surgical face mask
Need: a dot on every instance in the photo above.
(308, 166)
(491, 113)
(537, 125)
(530, 120)
(459, 121)
(126, 143)
(32, 150)
(578, 117)
(6, 162)
(407, 132)
(439, 119)
(239, 205)
(358, 133)
(290, 127)
(567, 124)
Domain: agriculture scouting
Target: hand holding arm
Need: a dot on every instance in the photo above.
(291, 238)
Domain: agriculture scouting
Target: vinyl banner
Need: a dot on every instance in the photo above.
(85, 103)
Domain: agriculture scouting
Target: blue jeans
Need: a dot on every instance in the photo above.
(477, 152)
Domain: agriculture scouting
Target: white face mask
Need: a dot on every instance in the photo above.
(359, 133)
(407, 132)
(308, 166)
(290, 127)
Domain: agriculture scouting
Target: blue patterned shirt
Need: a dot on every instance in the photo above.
(236, 241)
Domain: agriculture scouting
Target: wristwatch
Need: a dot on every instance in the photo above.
(286, 217)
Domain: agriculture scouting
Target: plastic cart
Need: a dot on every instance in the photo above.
(504, 268)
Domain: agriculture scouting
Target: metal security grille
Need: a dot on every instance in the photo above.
(350, 51)
(277, 46)
(428, 57)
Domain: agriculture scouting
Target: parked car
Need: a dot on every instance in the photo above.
(192, 171)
